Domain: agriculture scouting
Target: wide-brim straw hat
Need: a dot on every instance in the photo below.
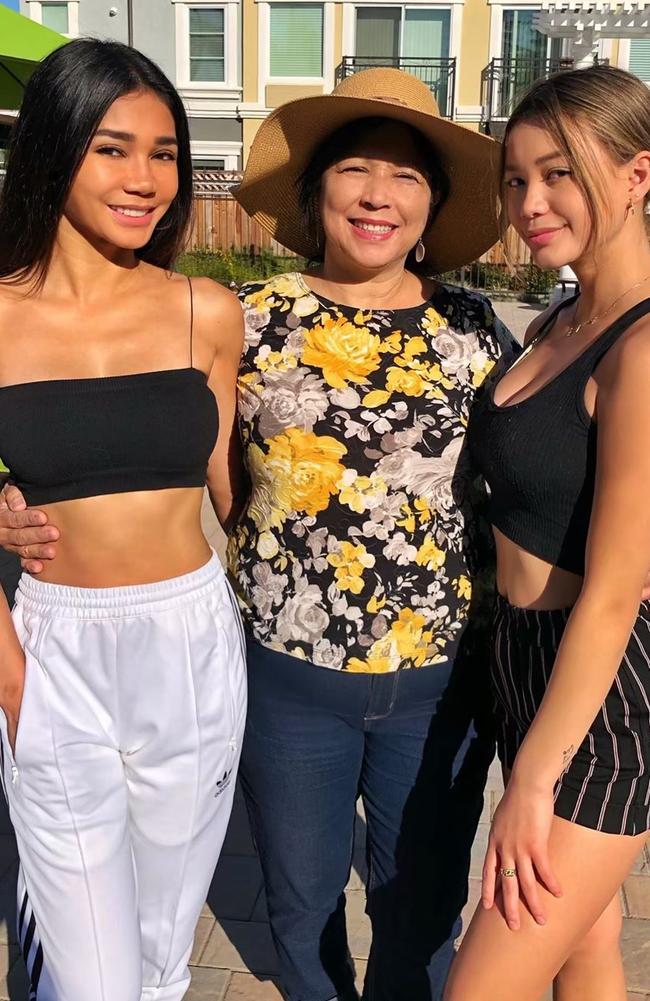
(466, 225)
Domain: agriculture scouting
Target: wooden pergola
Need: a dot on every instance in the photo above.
(585, 23)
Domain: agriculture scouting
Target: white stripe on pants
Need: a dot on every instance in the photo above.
(123, 778)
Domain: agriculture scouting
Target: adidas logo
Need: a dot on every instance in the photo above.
(223, 783)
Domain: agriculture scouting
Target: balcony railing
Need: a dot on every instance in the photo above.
(504, 81)
(438, 74)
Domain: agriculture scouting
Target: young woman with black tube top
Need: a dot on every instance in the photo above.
(562, 439)
(122, 673)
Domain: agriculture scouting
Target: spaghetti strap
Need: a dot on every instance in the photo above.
(189, 282)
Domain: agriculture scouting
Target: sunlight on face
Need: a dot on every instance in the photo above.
(129, 177)
(375, 202)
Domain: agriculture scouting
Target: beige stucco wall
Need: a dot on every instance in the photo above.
(475, 46)
(277, 94)
(338, 34)
(249, 129)
(250, 53)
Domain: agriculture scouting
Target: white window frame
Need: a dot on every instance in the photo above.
(229, 152)
(35, 12)
(497, 8)
(326, 78)
(230, 85)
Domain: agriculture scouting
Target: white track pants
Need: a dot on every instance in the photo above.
(123, 778)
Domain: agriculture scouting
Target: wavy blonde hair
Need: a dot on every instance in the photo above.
(587, 111)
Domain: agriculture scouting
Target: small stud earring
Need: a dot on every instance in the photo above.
(630, 209)
(420, 251)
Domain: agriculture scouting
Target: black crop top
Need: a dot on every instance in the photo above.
(538, 456)
(70, 438)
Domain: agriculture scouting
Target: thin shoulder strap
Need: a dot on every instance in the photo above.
(597, 351)
(189, 282)
(548, 323)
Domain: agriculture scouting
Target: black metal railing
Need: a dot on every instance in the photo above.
(504, 81)
(438, 74)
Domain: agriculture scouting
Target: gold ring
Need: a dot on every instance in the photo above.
(509, 873)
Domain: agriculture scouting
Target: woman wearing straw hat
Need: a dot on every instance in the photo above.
(357, 563)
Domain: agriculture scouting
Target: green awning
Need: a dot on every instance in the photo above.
(23, 43)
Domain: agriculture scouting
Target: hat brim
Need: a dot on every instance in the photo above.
(464, 228)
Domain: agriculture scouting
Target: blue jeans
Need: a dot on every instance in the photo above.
(315, 740)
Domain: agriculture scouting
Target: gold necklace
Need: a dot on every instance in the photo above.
(575, 328)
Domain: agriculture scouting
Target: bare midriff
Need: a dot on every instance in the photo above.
(119, 540)
(526, 581)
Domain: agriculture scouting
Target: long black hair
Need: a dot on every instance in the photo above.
(64, 102)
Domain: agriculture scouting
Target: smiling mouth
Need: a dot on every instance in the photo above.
(373, 228)
(131, 213)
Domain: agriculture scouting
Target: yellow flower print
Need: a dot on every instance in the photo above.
(350, 561)
(480, 365)
(463, 587)
(264, 507)
(432, 321)
(275, 361)
(429, 555)
(345, 352)
(414, 346)
(305, 469)
(405, 640)
(360, 493)
(421, 505)
(267, 545)
(405, 381)
(375, 604)
(408, 522)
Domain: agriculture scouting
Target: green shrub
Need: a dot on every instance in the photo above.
(228, 266)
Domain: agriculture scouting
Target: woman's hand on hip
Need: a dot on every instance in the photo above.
(517, 856)
(25, 531)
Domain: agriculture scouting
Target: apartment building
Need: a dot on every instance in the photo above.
(235, 60)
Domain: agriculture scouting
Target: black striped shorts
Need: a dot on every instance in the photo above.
(607, 784)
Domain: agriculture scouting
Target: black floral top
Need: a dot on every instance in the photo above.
(362, 542)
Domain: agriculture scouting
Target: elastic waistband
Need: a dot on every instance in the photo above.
(117, 602)
(532, 616)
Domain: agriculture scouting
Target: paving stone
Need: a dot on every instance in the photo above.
(638, 997)
(471, 905)
(637, 896)
(208, 985)
(245, 987)
(479, 849)
(201, 936)
(360, 967)
(235, 887)
(358, 924)
(642, 865)
(241, 946)
(14, 984)
(636, 954)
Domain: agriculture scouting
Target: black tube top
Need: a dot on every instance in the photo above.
(70, 438)
(538, 456)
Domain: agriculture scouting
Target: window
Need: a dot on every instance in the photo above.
(640, 58)
(396, 32)
(207, 45)
(296, 40)
(208, 163)
(522, 41)
(55, 16)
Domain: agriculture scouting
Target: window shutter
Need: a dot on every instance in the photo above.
(296, 39)
(640, 58)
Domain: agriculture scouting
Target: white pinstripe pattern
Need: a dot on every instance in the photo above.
(617, 766)
(586, 781)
